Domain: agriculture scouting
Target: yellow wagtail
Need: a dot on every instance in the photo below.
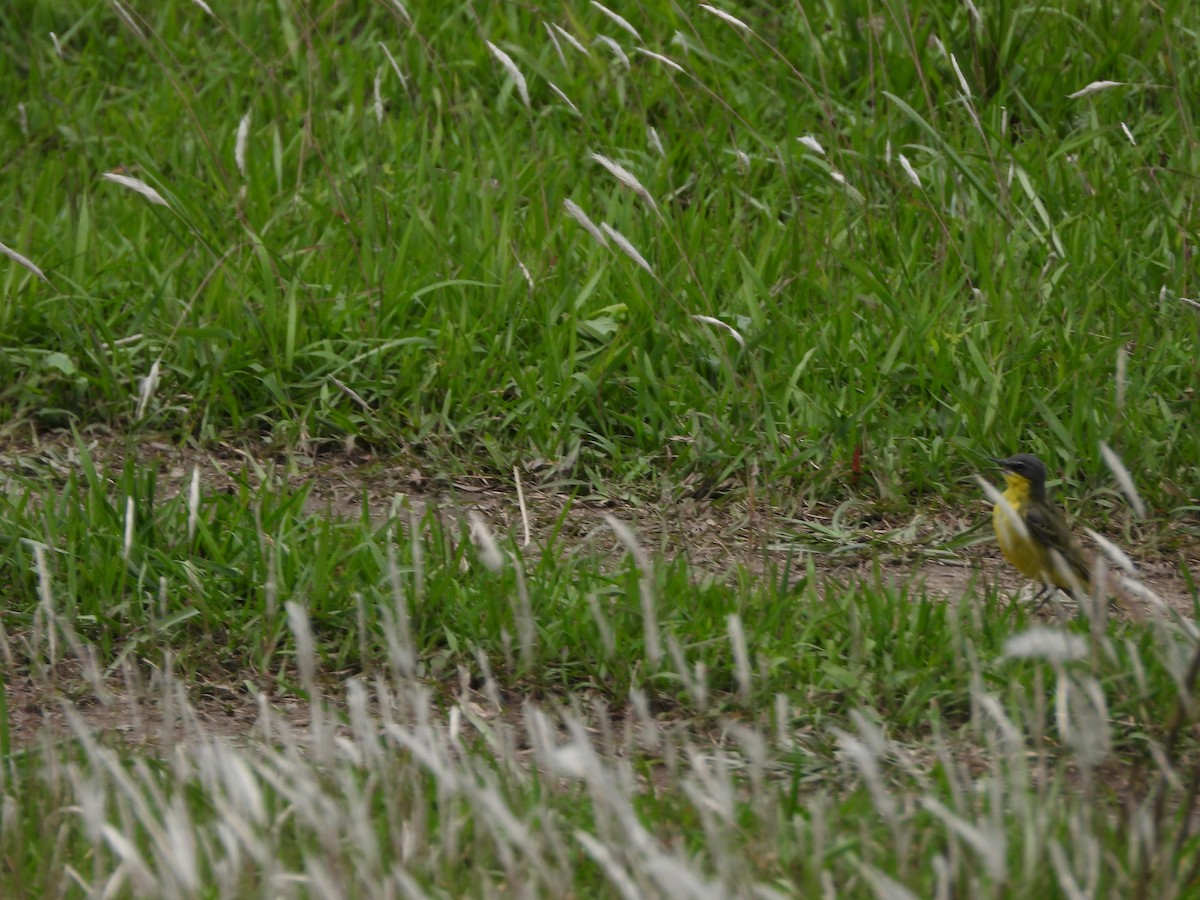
(1044, 549)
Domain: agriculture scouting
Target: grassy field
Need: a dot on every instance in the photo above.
(654, 348)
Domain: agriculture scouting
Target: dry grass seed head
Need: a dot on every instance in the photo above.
(618, 20)
(23, 261)
(626, 247)
(725, 17)
(626, 178)
(138, 186)
(513, 72)
(239, 145)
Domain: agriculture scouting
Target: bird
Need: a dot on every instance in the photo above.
(1044, 550)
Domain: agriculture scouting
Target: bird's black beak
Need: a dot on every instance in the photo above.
(1000, 463)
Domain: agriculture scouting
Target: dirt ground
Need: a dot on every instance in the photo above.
(716, 538)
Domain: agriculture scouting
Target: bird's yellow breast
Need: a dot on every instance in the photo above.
(1015, 542)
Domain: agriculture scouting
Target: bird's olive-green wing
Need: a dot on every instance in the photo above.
(1048, 527)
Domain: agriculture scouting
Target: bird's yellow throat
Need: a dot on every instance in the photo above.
(1017, 493)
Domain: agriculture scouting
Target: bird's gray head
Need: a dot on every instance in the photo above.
(1027, 466)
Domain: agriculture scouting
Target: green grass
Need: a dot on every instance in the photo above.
(923, 327)
(225, 582)
(948, 267)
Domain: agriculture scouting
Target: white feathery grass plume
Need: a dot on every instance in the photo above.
(523, 615)
(1040, 207)
(127, 18)
(887, 152)
(564, 98)
(883, 886)
(850, 189)
(626, 178)
(997, 499)
(962, 81)
(694, 683)
(627, 248)
(1011, 734)
(204, 6)
(132, 864)
(655, 141)
(194, 502)
(130, 520)
(89, 802)
(1066, 574)
(1124, 479)
(240, 784)
(23, 261)
(669, 63)
(554, 40)
(122, 342)
(1050, 644)
(137, 185)
(23, 118)
(179, 847)
(147, 387)
(909, 170)
(350, 392)
(417, 549)
(404, 13)
(45, 599)
(270, 594)
(240, 142)
(1095, 87)
(572, 40)
(614, 47)
(989, 844)
(513, 72)
(1093, 741)
(648, 734)
(1113, 552)
(645, 586)
(378, 96)
(532, 287)
(397, 626)
(306, 654)
(489, 550)
(973, 10)
(725, 17)
(674, 874)
(741, 655)
(395, 65)
(1128, 133)
(1064, 872)
(607, 639)
(859, 755)
(581, 217)
(1121, 378)
(618, 20)
(683, 42)
(869, 733)
(610, 864)
(711, 320)
(58, 51)
(1138, 589)
(812, 144)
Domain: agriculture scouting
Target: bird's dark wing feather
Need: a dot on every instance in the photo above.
(1049, 528)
